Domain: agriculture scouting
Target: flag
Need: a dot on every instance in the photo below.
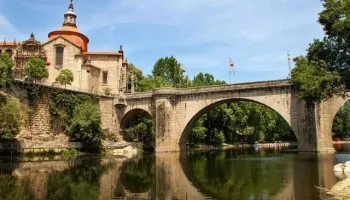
(232, 64)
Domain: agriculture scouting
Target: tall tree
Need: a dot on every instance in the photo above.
(65, 77)
(149, 83)
(205, 80)
(36, 69)
(169, 69)
(6, 65)
(314, 81)
(328, 59)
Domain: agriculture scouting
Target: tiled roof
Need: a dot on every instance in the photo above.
(103, 53)
(8, 43)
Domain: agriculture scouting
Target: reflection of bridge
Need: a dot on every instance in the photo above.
(175, 110)
(173, 180)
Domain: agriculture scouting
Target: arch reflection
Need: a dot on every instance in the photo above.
(238, 174)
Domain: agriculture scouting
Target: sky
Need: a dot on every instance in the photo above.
(201, 34)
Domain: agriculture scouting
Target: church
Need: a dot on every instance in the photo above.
(67, 48)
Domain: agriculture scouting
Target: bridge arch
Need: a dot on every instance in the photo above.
(129, 115)
(195, 114)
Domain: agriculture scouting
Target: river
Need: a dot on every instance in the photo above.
(243, 174)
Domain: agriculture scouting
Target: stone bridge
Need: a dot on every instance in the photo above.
(175, 110)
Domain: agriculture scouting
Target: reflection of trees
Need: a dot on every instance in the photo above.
(12, 189)
(82, 182)
(138, 176)
(224, 176)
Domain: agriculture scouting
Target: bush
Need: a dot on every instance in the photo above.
(86, 124)
(219, 138)
(197, 135)
(70, 154)
(9, 118)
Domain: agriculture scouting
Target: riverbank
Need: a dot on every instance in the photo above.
(341, 142)
(204, 147)
(340, 191)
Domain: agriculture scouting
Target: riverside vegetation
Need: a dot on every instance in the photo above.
(75, 114)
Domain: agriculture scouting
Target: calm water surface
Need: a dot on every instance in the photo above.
(232, 174)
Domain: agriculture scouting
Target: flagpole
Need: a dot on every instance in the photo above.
(232, 70)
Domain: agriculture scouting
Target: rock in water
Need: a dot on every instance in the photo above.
(340, 191)
(339, 167)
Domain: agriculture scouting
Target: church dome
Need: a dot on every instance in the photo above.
(70, 31)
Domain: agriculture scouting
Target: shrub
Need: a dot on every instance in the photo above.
(9, 118)
(86, 124)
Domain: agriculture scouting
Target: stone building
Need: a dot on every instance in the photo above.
(67, 48)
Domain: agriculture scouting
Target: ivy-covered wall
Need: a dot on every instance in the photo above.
(47, 115)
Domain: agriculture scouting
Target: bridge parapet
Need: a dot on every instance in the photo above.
(210, 89)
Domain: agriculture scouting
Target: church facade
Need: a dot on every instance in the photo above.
(67, 48)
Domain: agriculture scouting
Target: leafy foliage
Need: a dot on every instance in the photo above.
(77, 183)
(36, 69)
(138, 176)
(239, 122)
(140, 128)
(205, 80)
(9, 118)
(6, 65)
(314, 81)
(341, 123)
(149, 83)
(331, 56)
(169, 69)
(64, 112)
(65, 77)
(86, 124)
(132, 69)
(230, 175)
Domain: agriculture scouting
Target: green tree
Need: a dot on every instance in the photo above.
(6, 65)
(65, 77)
(149, 83)
(169, 69)
(314, 81)
(36, 69)
(334, 49)
(205, 80)
(341, 123)
(9, 118)
(141, 128)
(132, 69)
(86, 124)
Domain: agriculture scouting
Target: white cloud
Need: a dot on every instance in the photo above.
(7, 29)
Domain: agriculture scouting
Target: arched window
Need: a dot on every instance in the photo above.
(59, 55)
(9, 52)
(0, 51)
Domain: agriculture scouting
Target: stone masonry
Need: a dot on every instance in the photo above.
(36, 129)
(175, 110)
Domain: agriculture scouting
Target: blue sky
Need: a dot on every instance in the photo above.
(201, 34)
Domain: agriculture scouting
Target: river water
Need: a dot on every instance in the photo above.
(232, 174)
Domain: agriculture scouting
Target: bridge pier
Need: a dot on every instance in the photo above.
(166, 131)
(313, 128)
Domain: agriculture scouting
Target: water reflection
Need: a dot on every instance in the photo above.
(233, 174)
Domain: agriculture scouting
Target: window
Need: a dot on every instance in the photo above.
(105, 76)
(59, 56)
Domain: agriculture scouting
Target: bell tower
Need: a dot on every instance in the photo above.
(70, 17)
